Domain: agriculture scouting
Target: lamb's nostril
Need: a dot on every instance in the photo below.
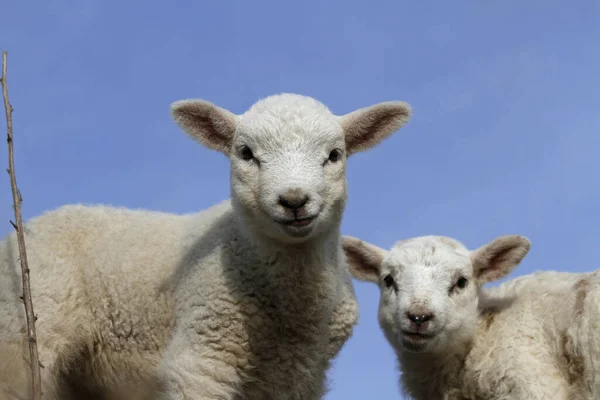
(293, 199)
(420, 318)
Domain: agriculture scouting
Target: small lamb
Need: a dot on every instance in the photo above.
(535, 337)
(249, 299)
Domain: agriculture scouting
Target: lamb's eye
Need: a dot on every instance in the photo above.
(460, 284)
(388, 280)
(335, 155)
(246, 153)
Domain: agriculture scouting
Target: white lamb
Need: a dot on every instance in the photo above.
(249, 299)
(535, 337)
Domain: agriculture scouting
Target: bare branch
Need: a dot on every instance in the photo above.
(18, 225)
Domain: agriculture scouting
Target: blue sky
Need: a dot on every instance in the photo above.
(504, 138)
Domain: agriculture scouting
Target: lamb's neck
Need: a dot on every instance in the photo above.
(424, 365)
(305, 257)
(431, 374)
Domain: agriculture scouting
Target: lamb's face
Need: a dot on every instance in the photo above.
(429, 294)
(288, 157)
(429, 286)
(288, 170)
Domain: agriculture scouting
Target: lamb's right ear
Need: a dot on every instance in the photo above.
(212, 126)
(498, 258)
(366, 127)
(363, 258)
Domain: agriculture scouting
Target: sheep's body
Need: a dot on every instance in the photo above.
(96, 276)
(249, 299)
(536, 338)
(533, 337)
(108, 296)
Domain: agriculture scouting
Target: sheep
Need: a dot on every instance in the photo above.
(532, 337)
(248, 299)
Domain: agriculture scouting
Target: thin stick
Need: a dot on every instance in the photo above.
(17, 200)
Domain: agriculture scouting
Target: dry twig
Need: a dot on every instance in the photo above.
(17, 200)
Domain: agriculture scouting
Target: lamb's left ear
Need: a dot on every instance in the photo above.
(212, 126)
(498, 258)
(366, 127)
(364, 259)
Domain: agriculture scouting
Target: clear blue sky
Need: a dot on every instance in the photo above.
(505, 136)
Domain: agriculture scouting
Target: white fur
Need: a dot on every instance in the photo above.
(248, 299)
(534, 337)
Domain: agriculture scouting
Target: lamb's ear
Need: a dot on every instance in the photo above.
(363, 258)
(366, 127)
(498, 258)
(212, 126)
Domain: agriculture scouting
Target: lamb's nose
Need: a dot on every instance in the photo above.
(293, 199)
(419, 316)
(419, 319)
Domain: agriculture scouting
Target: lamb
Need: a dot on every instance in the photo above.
(533, 337)
(248, 299)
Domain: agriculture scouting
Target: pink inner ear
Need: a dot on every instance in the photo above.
(494, 262)
(374, 260)
(364, 130)
(368, 270)
(368, 126)
(362, 259)
(489, 274)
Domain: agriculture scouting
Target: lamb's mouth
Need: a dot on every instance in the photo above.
(297, 222)
(417, 336)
